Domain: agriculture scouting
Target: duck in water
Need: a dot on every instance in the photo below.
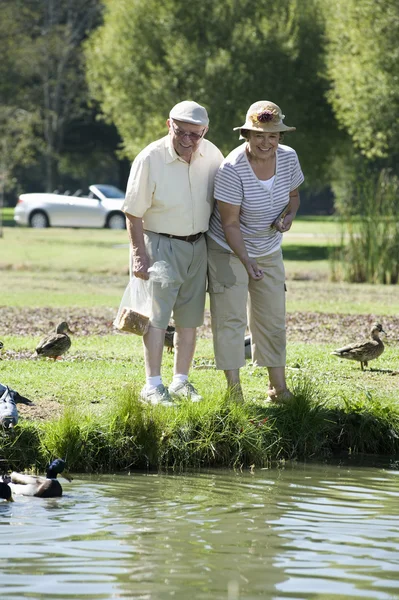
(36, 485)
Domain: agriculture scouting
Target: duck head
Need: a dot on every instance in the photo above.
(63, 328)
(56, 467)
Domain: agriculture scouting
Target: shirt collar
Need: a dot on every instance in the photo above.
(171, 154)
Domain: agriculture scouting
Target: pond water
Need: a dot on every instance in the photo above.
(304, 531)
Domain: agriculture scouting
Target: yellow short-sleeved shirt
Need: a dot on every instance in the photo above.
(171, 195)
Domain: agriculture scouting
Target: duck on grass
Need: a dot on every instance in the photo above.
(56, 344)
(363, 352)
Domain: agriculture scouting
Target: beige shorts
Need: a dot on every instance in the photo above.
(184, 297)
(232, 309)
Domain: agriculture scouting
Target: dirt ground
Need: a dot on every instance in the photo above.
(301, 326)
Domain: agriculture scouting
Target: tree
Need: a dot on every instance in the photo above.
(363, 66)
(44, 67)
(149, 55)
(16, 145)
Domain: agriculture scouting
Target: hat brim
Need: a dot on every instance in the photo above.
(188, 120)
(267, 128)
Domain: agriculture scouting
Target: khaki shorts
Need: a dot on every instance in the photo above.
(232, 309)
(184, 296)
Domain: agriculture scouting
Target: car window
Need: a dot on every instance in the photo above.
(110, 191)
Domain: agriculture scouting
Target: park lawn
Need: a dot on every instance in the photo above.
(92, 393)
(97, 367)
(87, 409)
(84, 267)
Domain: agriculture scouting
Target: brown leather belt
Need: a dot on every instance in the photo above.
(184, 238)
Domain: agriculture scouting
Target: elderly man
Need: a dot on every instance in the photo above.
(168, 205)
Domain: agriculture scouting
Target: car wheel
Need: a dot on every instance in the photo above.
(116, 221)
(39, 220)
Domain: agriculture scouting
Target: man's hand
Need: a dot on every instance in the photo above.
(141, 264)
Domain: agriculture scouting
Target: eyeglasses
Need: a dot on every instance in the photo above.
(194, 137)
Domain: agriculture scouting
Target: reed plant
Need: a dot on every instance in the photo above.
(369, 248)
(217, 432)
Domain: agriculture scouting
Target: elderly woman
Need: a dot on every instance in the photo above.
(256, 189)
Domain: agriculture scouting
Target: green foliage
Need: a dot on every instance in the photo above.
(217, 432)
(370, 249)
(367, 425)
(17, 144)
(20, 448)
(42, 81)
(149, 55)
(363, 67)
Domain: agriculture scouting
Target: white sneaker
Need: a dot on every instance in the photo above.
(159, 395)
(184, 390)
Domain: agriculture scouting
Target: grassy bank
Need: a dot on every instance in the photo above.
(87, 407)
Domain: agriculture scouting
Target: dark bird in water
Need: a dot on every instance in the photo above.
(8, 406)
(55, 344)
(36, 485)
(5, 491)
(365, 351)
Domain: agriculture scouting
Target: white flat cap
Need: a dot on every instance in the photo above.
(190, 112)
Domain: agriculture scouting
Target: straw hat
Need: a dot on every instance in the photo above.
(265, 116)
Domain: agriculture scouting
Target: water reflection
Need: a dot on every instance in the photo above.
(300, 532)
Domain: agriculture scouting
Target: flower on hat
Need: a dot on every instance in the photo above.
(267, 115)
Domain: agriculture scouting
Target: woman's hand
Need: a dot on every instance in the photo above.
(253, 270)
(284, 224)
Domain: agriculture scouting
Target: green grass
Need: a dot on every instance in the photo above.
(84, 267)
(8, 217)
(103, 427)
(94, 417)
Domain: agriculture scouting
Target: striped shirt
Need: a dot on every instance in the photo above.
(237, 184)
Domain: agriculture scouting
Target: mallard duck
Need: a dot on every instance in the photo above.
(366, 351)
(56, 344)
(35, 485)
(5, 491)
(8, 408)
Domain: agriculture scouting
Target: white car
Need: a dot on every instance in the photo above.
(100, 207)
